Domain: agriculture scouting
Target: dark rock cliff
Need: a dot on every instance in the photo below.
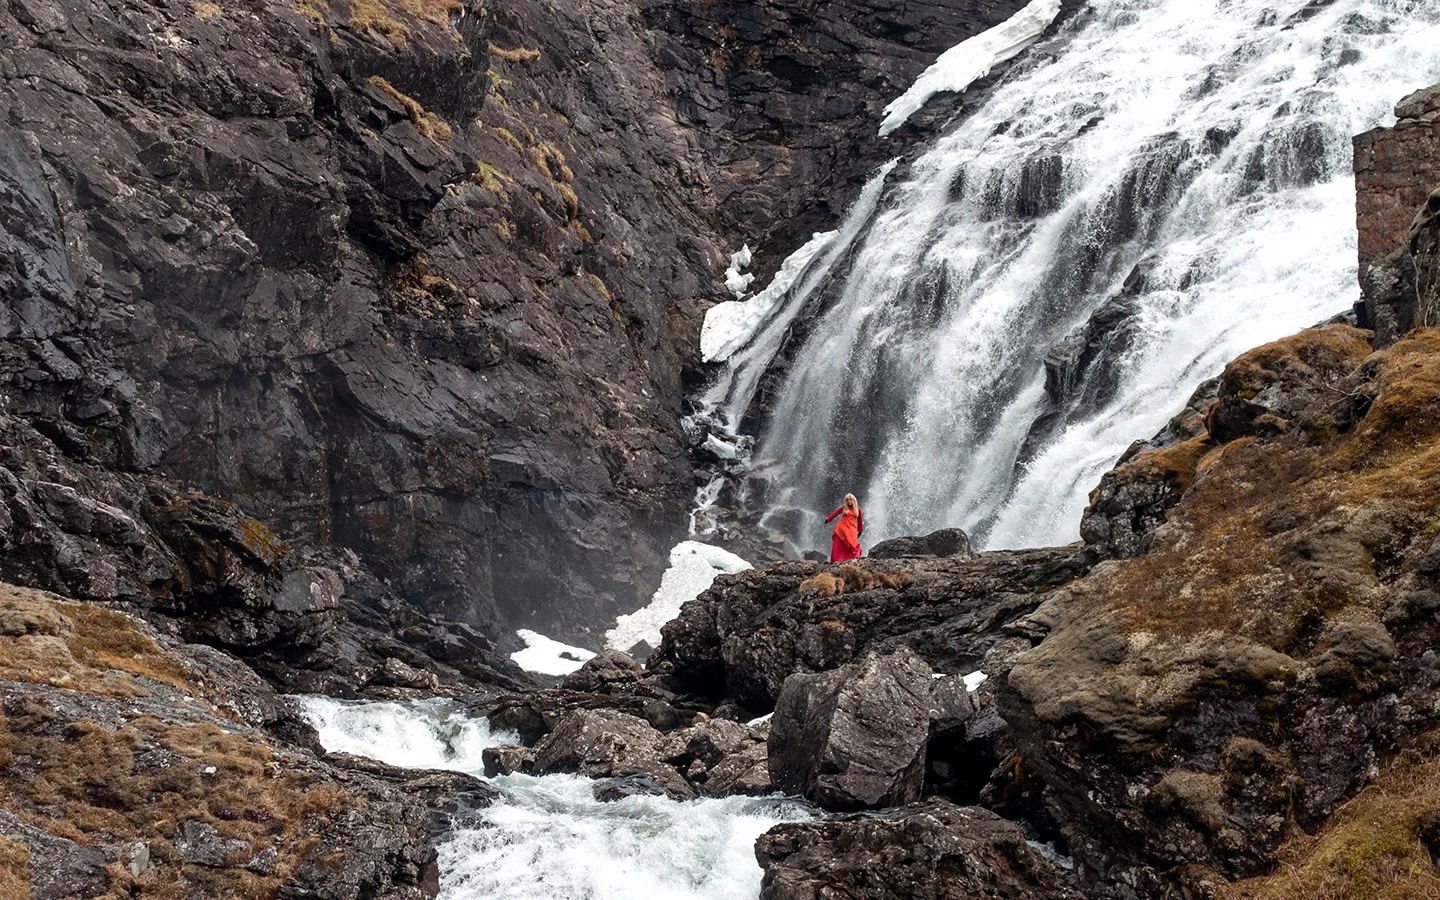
(309, 267)
(419, 280)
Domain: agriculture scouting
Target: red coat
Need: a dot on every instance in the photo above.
(845, 539)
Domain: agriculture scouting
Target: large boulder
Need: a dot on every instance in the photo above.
(602, 743)
(854, 737)
(945, 542)
(929, 851)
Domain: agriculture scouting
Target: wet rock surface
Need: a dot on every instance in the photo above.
(200, 569)
(932, 850)
(261, 255)
(854, 737)
(749, 632)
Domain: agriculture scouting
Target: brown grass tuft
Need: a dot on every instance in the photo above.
(205, 10)
(394, 20)
(430, 124)
(1372, 847)
(14, 870)
(517, 55)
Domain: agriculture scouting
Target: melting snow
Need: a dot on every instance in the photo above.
(971, 60)
(548, 657)
(693, 566)
(730, 325)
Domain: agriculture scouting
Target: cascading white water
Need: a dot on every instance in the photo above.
(549, 838)
(1159, 187)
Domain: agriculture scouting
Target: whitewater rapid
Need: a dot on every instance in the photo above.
(1148, 193)
(549, 838)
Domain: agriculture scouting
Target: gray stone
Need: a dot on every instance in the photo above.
(855, 737)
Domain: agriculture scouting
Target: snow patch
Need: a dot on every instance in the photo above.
(974, 680)
(722, 449)
(972, 59)
(730, 325)
(548, 657)
(693, 566)
(736, 282)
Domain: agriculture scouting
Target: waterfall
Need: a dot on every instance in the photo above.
(1158, 187)
(549, 838)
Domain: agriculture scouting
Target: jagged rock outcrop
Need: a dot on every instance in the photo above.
(1396, 170)
(201, 570)
(933, 850)
(135, 766)
(1190, 708)
(714, 758)
(749, 632)
(1296, 385)
(854, 737)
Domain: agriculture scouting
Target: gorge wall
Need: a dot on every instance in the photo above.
(418, 281)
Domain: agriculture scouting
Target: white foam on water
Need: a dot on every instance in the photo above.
(549, 839)
(556, 842)
(421, 734)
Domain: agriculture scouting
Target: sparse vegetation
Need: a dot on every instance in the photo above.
(205, 10)
(394, 23)
(517, 55)
(510, 140)
(853, 578)
(1234, 555)
(430, 124)
(1381, 845)
(115, 778)
(492, 179)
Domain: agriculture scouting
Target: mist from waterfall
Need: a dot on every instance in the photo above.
(1155, 189)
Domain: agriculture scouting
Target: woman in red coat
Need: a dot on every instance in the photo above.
(845, 540)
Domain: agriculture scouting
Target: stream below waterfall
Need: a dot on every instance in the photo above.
(549, 838)
(1151, 191)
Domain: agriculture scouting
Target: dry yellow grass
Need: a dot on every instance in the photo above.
(395, 20)
(1277, 535)
(516, 55)
(205, 10)
(430, 124)
(137, 777)
(1370, 848)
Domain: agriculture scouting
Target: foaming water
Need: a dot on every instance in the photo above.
(422, 734)
(559, 843)
(1158, 188)
(549, 839)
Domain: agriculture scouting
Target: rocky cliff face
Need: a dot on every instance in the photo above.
(1395, 172)
(416, 280)
(278, 254)
(784, 99)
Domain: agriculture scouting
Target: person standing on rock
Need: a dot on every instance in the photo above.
(845, 539)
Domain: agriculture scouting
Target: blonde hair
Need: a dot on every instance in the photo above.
(851, 501)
